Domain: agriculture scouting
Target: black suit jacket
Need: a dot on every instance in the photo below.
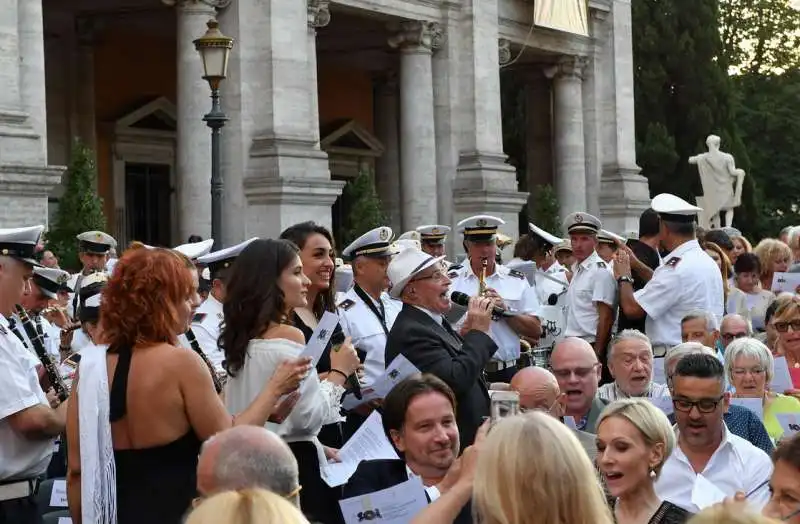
(458, 362)
(375, 475)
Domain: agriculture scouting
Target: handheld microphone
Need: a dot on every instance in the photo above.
(462, 299)
(352, 380)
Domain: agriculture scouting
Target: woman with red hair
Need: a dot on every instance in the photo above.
(141, 406)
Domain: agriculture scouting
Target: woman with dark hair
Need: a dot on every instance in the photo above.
(318, 257)
(265, 285)
(748, 298)
(141, 406)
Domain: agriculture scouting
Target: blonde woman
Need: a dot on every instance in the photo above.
(515, 483)
(786, 323)
(723, 263)
(774, 256)
(740, 245)
(634, 439)
(248, 506)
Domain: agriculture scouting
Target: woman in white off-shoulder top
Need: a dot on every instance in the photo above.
(265, 284)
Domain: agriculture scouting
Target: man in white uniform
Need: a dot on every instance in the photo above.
(508, 288)
(29, 418)
(45, 285)
(687, 280)
(93, 249)
(432, 239)
(209, 316)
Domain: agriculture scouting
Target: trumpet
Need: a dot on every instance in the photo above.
(482, 279)
(53, 309)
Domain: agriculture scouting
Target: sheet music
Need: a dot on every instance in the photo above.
(788, 282)
(399, 369)
(396, 505)
(320, 338)
(369, 442)
(781, 379)
(790, 423)
(705, 493)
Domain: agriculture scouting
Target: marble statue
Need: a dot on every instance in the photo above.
(722, 184)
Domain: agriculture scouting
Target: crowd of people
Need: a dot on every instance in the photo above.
(591, 379)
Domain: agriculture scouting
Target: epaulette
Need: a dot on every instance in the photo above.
(455, 267)
(515, 273)
(346, 304)
(672, 262)
(601, 264)
(198, 318)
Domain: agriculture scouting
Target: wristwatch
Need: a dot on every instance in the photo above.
(625, 278)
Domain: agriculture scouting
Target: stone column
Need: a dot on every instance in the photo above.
(9, 58)
(570, 150)
(416, 40)
(444, 107)
(193, 158)
(539, 136)
(624, 192)
(31, 69)
(387, 124)
(83, 83)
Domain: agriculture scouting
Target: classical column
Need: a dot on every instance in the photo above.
(570, 150)
(387, 125)
(9, 58)
(83, 83)
(539, 134)
(416, 40)
(31, 68)
(193, 158)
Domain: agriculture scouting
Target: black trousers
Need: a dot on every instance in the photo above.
(504, 375)
(20, 511)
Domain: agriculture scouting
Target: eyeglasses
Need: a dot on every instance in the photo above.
(438, 276)
(733, 336)
(783, 327)
(740, 372)
(706, 405)
(579, 372)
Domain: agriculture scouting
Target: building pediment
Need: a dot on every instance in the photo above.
(350, 138)
(159, 116)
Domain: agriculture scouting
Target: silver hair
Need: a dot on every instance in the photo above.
(749, 348)
(746, 321)
(625, 335)
(676, 353)
(246, 462)
(712, 324)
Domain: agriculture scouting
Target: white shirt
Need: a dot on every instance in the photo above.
(552, 281)
(687, 280)
(366, 329)
(20, 458)
(50, 335)
(516, 292)
(432, 491)
(206, 328)
(591, 284)
(735, 466)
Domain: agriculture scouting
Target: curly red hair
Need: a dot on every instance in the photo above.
(142, 300)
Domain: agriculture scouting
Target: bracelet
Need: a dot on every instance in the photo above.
(340, 372)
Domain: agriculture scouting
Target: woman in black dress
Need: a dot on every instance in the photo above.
(634, 439)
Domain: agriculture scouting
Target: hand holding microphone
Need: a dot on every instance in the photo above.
(479, 313)
(462, 299)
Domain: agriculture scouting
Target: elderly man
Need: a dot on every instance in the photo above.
(630, 360)
(733, 326)
(247, 457)
(700, 326)
(575, 365)
(539, 391)
(423, 335)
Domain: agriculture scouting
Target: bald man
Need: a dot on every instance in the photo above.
(247, 457)
(539, 391)
(575, 365)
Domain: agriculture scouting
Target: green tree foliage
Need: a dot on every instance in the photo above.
(546, 209)
(365, 208)
(682, 92)
(79, 210)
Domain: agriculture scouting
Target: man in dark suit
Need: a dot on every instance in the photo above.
(419, 419)
(422, 334)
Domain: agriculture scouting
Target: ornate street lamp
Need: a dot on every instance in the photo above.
(215, 49)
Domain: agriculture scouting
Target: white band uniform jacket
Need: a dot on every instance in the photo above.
(591, 283)
(516, 292)
(206, 328)
(366, 330)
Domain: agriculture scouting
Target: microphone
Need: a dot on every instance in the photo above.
(462, 299)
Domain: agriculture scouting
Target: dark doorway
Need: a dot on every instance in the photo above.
(147, 194)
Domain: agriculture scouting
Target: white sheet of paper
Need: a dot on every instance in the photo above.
(755, 405)
(396, 505)
(659, 374)
(320, 338)
(781, 379)
(705, 493)
(664, 404)
(58, 497)
(790, 423)
(399, 369)
(369, 442)
(785, 282)
(64, 520)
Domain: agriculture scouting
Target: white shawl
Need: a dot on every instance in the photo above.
(98, 471)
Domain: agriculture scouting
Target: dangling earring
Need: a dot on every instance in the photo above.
(652, 473)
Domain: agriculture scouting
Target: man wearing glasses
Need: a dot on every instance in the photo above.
(708, 458)
(575, 365)
(733, 326)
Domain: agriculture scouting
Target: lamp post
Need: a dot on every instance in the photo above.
(214, 49)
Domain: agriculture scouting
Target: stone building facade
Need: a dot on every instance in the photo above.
(317, 91)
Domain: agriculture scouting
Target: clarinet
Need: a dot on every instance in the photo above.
(197, 349)
(38, 345)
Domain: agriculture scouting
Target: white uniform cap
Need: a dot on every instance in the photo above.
(607, 237)
(195, 250)
(96, 242)
(674, 209)
(581, 222)
(564, 245)
(344, 278)
(20, 243)
(223, 258)
(50, 281)
(411, 235)
(407, 243)
(433, 234)
(544, 235)
(480, 228)
(405, 266)
(374, 243)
